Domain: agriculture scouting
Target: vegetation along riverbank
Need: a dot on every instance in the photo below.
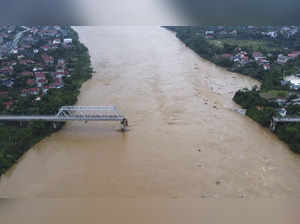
(42, 68)
(268, 54)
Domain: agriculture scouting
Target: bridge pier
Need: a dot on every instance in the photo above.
(273, 125)
(124, 124)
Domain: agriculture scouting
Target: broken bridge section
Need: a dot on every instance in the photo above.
(74, 113)
(276, 120)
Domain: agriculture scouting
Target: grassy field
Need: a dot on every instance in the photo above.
(255, 45)
(274, 94)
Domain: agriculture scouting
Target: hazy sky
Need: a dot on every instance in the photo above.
(151, 12)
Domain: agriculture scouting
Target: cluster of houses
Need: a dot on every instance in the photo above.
(29, 48)
(270, 32)
(242, 58)
(283, 104)
(282, 59)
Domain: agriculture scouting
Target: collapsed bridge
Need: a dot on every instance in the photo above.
(276, 120)
(75, 113)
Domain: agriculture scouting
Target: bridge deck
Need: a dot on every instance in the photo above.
(287, 119)
(62, 119)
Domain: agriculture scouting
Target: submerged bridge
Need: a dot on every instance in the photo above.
(276, 120)
(75, 113)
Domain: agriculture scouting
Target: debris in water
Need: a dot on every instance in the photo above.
(240, 111)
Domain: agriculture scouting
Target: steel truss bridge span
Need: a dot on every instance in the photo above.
(74, 113)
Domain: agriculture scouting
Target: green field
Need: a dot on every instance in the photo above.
(255, 45)
(274, 94)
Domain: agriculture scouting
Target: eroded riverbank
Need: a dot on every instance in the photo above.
(184, 140)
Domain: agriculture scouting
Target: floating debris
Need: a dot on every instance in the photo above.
(240, 111)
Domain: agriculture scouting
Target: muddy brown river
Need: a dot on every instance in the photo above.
(185, 142)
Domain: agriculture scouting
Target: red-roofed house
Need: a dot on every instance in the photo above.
(42, 82)
(48, 59)
(6, 69)
(39, 76)
(58, 83)
(30, 82)
(3, 93)
(34, 91)
(266, 66)
(294, 54)
(24, 92)
(45, 47)
(229, 56)
(8, 104)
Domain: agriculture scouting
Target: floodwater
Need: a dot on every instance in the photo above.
(185, 142)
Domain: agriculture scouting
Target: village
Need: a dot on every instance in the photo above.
(242, 57)
(28, 63)
(286, 98)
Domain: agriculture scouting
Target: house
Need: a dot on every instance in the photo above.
(297, 100)
(47, 59)
(3, 94)
(56, 41)
(272, 34)
(27, 74)
(14, 51)
(24, 92)
(294, 54)
(8, 83)
(228, 56)
(42, 82)
(39, 76)
(60, 62)
(60, 74)
(257, 55)
(68, 41)
(234, 32)
(35, 69)
(8, 104)
(58, 83)
(282, 112)
(27, 46)
(6, 69)
(45, 89)
(280, 102)
(34, 91)
(45, 47)
(282, 59)
(57, 27)
(209, 32)
(209, 37)
(266, 66)
(30, 82)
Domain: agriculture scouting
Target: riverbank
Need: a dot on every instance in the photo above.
(261, 103)
(16, 138)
